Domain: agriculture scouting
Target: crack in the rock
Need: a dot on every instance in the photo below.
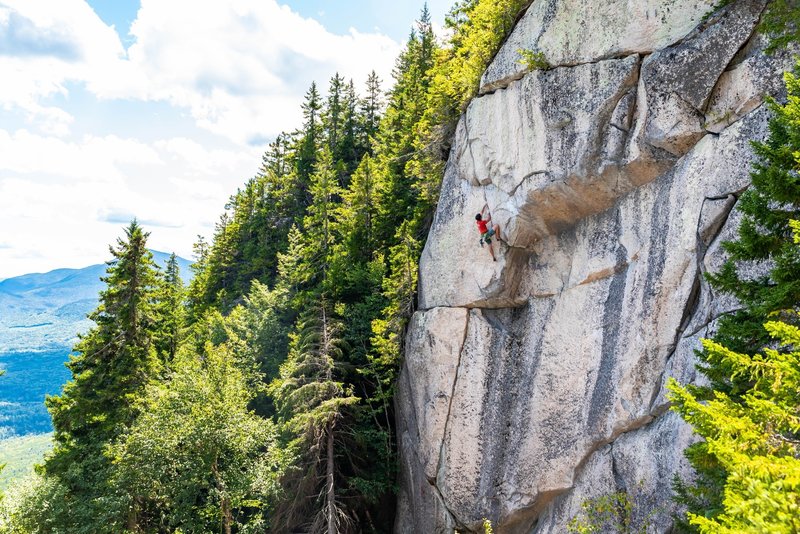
(447, 510)
(501, 304)
(504, 83)
(433, 482)
(619, 480)
(694, 300)
(468, 140)
(753, 34)
(633, 426)
(620, 128)
(524, 179)
(452, 395)
(701, 266)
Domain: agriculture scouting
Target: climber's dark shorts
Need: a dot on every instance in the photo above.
(487, 237)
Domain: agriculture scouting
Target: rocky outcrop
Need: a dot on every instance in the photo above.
(536, 382)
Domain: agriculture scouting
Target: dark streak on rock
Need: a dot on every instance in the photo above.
(602, 395)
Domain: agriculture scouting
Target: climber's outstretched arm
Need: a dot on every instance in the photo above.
(485, 213)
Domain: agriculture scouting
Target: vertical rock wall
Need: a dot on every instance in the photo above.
(537, 382)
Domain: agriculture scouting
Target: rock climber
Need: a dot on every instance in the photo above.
(486, 232)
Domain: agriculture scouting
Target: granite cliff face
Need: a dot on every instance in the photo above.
(537, 382)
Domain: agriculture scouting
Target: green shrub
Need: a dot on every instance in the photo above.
(533, 60)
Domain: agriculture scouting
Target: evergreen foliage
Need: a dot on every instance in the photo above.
(755, 438)
(743, 413)
(782, 23)
(312, 402)
(170, 311)
(113, 364)
(765, 237)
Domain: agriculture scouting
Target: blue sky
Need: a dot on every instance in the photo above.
(159, 109)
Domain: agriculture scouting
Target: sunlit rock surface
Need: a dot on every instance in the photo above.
(536, 382)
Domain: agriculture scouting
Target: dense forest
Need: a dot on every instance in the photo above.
(260, 398)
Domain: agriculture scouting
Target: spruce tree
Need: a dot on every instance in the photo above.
(113, 363)
(349, 152)
(309, 138)
(276, 160)
(316, 241)
(170, 311)
(371, 108)
(766, 242)
(311, 402)
(333, 116)
(765, 239)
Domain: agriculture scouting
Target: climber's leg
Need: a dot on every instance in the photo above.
(489, 241)
(497, 231)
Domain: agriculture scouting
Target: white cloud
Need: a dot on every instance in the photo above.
(92, 158)
(240, 67)
(62, 202)
(44, 45)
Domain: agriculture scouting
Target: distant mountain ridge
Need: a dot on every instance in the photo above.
(41, 315)
(42, 311)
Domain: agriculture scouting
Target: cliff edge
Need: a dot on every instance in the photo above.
(537, 382)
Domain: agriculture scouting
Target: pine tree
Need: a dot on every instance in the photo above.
(314, 244)
(333, 116)
(311, 404)
(755, 438)
(197, 301)
(765, 239)
(276, 160)
(113, 364)
(371, 109)
(349, 152)
(309, 138)
(396, 137)
(170, 311)
(358, 212)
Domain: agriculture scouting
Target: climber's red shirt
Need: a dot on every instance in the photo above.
(482, 227)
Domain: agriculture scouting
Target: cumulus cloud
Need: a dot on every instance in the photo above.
(237, 70)
(239, 67)
(91, 158)
(20, 37)
(62, 202)
(47, 44)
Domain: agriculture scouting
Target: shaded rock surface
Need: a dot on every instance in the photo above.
(536, 382)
